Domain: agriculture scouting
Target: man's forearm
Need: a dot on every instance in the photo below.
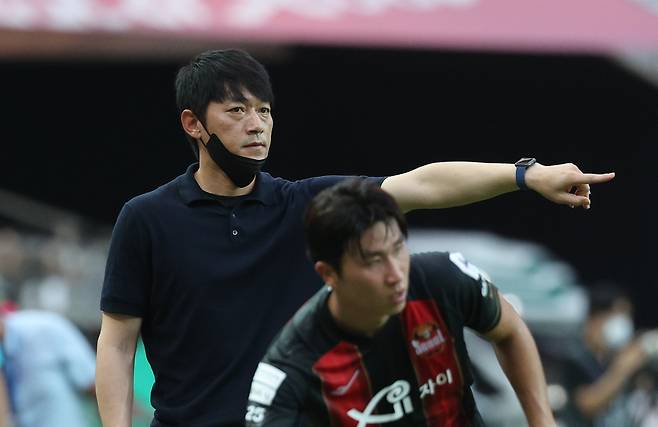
(114, 385)
(520, 360)
(449, 184)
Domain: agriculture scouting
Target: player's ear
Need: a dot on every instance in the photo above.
(327, 272)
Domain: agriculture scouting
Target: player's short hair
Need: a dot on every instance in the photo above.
(604, 296)
(219, 75)
(338, 216)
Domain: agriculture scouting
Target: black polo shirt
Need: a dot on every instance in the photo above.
(214, 279)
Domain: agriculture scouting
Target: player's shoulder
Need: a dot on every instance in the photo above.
(300, 341)
(432, 263)
(444, 263)
(450, 270)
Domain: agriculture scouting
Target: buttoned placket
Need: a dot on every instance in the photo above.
(234, 223)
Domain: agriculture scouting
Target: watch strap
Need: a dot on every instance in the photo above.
(521, 166)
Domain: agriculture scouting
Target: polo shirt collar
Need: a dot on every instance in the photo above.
(190, 191)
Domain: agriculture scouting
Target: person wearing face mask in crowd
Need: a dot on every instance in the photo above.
(599, 374)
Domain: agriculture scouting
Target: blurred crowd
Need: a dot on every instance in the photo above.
(605, 375)
(601, 370)
(59, 271)
(50, 283)
(602, 374)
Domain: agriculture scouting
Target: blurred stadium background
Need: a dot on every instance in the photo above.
(362, 87)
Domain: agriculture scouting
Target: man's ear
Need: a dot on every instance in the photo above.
(191, 124)
(326, 272)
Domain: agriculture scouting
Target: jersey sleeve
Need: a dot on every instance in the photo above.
(127, 273)
(275, 398)
(467, 288)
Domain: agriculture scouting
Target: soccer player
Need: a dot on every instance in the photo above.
(383, 341)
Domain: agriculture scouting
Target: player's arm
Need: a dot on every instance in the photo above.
(448, 184)
(592, 399)
(114, 368)
(519, 358)
(274, 398)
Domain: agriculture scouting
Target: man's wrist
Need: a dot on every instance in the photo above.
(522, 166)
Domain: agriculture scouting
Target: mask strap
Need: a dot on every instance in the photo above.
(204, 128)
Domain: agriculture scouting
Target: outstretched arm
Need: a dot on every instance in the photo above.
(449, 184)
(519, 358)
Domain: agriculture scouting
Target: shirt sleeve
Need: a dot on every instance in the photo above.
(127, 273)
(467, 289)
(320, 183)
(275, 398)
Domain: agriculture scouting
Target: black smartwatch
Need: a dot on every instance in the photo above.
(521, 167)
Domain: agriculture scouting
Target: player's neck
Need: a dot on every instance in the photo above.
(354, 319)
(213, 180)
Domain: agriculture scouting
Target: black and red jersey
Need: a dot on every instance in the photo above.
(413, 372)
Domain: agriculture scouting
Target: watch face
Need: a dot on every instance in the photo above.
(526, 161)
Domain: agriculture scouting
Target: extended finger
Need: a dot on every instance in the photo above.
(593, 178)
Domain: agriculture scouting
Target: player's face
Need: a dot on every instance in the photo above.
(244, 126)
(375, 282)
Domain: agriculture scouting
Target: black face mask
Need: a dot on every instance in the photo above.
(241, 170)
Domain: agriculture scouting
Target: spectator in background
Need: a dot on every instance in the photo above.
(49, 368)
(13, 261)
(599, 374)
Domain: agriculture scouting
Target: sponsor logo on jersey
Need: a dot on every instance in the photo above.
(427, 338)
(397, 394)
(265, 384)
(433, 383)
(340, 391)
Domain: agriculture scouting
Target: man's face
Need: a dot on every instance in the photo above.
(375, 282)
(244, 126)
(616, 326)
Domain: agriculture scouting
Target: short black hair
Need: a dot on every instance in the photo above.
(604, 296)
(338, 216)
(219, 75)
